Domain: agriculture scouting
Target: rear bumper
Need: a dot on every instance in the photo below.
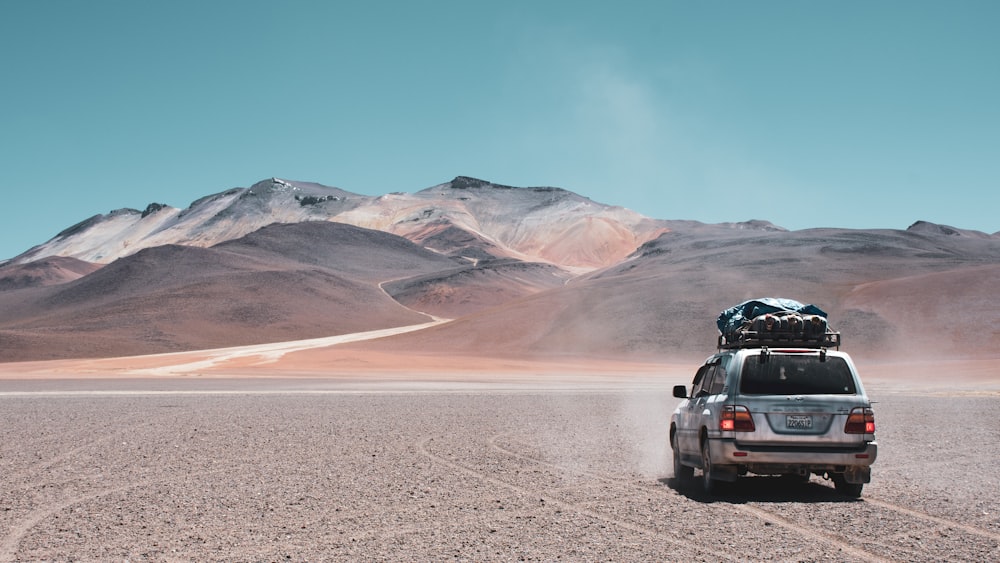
(727, 451)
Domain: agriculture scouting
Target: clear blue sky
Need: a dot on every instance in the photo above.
(845, 114)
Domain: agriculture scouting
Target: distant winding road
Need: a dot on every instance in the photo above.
(269, 353)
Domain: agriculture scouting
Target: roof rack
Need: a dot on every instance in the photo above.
(757, 339)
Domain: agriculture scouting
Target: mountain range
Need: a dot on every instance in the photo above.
(520, 272)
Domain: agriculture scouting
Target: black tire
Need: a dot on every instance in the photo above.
(682, 473)
(708, 482)
(852, 490)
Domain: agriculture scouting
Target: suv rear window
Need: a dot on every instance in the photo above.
(796, 375)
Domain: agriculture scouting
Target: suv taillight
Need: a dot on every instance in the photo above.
(736, 418)
(860, 421)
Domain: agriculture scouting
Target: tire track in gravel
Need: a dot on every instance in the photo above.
(713, 551)
(935, 519)
(9, 544)
(34, 469)
(773, 517)
(765, 515)
(810, 532)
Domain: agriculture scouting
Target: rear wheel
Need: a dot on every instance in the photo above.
(852, 490)
(682, 473)
(708, 482)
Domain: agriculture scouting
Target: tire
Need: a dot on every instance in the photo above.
(708, 482)
(682, 473)
(852, 490)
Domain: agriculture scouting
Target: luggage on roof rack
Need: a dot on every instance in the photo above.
(772, 321)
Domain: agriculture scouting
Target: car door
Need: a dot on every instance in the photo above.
(691, 413)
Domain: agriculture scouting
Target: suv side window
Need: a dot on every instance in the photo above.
(701, 379)
(718, 381)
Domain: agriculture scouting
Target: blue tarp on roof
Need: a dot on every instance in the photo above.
(733, 318)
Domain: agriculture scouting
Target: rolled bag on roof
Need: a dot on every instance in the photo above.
(734, 318)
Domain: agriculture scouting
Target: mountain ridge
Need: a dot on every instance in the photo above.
(539, 272)
(236, 212)
(225, 216)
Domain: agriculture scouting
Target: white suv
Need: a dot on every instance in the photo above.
(794, 409)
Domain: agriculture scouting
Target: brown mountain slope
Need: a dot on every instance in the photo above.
(663, 302)
(945, 312)
(53, 270)
(352, 252)
(465, 291)
(285, 282)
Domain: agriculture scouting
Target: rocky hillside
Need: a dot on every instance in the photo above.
(521, 271)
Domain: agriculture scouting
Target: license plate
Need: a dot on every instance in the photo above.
(798, 421)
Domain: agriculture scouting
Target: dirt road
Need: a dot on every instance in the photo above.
(307, 470)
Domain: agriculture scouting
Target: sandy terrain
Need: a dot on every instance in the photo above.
(444, 460)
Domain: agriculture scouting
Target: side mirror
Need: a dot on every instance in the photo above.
(680, 391)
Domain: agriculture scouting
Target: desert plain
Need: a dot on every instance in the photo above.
(317, 451)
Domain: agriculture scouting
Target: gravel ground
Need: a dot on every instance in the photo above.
(252, 470)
